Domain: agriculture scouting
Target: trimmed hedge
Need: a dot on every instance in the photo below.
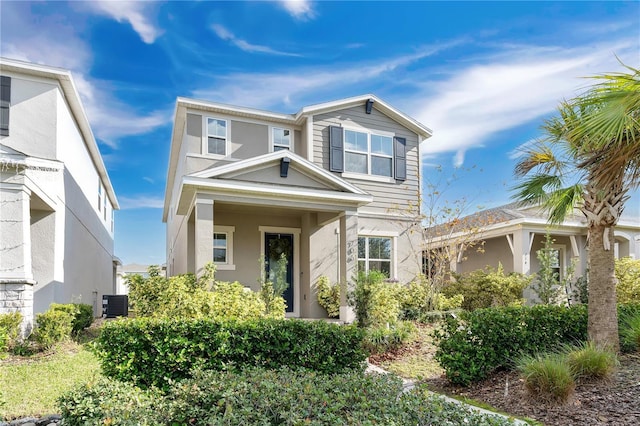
(150, 351)
(475, 343)
(265, 397)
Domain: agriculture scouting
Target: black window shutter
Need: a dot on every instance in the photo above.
(336, 149)
(5, 103)
(400, 157)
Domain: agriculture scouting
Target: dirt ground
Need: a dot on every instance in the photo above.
(615, 402)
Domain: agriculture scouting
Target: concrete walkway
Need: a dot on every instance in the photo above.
(408, 384)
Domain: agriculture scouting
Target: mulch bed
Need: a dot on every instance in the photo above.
(616, 402)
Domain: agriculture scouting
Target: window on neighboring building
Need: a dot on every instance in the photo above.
(104, 205)
(223, 247)
(368, 153)
(216, 136)
(281, 138)
(374, 254)
(112, 220)
(100, 190)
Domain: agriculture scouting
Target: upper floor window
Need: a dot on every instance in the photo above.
(368, 153)
(374, 254)
(216, 130)
(374, 155)
(281, 138)
(112, 220)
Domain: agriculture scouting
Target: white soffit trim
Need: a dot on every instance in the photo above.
(307, 167)
(239, 187)
(70, 92)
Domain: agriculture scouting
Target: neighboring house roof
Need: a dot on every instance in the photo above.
(72, 98)
(507, 215)
(292, 119)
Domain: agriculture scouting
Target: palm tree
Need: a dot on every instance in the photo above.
(589, 159)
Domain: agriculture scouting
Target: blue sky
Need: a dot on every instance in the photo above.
(482, 75)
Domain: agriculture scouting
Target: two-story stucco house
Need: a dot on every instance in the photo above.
(56, 200)
(334, 187)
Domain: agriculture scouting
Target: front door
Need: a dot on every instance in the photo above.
(278, 249)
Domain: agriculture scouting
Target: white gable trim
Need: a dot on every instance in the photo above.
(307, 167)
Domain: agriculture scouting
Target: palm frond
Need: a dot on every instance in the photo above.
(562, 202)
(536, 188)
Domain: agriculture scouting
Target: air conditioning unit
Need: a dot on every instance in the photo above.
(115, 305)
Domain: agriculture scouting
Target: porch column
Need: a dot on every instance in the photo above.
(16, 273)
(522, 241)
(348, 262)
(203, 252)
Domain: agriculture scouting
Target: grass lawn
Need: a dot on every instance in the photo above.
(31, 386)
(417, 361)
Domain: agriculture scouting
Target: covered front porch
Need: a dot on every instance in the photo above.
(244, 219)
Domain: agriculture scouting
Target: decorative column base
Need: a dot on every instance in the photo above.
(17, 296)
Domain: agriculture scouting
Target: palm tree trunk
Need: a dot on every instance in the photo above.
(603, 315)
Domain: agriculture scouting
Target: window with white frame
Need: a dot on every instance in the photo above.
(223, 247)
(281, 138)
(216, 133)
(368, 153)
(374, 254)
(112, 220)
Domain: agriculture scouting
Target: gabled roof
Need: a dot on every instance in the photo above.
(182, 104)
(327, 192)
(305, 166)
(378, 103)
(72, 98)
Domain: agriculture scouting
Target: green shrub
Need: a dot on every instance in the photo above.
(266, 397)
(628, 274)
(52, 327)
(385, 338)
(475, 343)
(328, 296)
(588, 362)
(4, 341)
(153, 351)
(109, 402)
(185, 296)
(81, 313)
(444, 303)
(234, 301)
(374, 300)
(488, 288)
(10, 328)
(547, 377)
(630, 331)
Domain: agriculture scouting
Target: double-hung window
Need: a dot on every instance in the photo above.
(216, 136)
(281, 138)
(374, 254)
(368, 153)
(223, 247)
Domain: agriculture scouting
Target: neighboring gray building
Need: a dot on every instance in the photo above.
(124, 271)
(56, 200)
(334, 187)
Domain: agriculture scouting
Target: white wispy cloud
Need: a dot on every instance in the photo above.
(52, 41)
(265, 90)
(141, 202)
(474, 103)
(227, 35)
(148, 179)
(136, 13)
(300, 9)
